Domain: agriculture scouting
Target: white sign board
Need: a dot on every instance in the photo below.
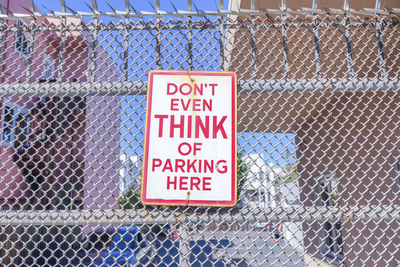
(190, 139)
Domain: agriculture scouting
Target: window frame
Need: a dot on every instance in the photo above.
(335, 250)
(397, 168)
(25, 51)
(48, 67)
(17, 110)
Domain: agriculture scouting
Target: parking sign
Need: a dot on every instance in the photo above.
(190, 139)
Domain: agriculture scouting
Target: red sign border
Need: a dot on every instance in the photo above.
(180, 202)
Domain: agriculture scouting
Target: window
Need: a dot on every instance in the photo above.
(269, 196)
(48, 68)
(327, 190)
(15, 130)
(397, 164)
(21, 42)
(8, 124)
(397, 170)
(261, 193)
(327, 195)
(129, 173)
(22, 131)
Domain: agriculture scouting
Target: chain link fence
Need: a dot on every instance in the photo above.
(318, 137)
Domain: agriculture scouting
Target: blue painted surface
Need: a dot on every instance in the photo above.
(201, 253)
(123, 248)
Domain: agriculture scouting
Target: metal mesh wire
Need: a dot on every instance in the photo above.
(318, 140)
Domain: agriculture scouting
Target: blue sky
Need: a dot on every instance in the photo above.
(273, 146)
(137, 4)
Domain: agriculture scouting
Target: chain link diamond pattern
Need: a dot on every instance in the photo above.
(318, 141)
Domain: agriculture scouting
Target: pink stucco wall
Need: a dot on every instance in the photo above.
(102, 150)
(75, 144)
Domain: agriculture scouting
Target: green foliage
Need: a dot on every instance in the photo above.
(242, 169)
(290, 173)
(130, 200)
(335, 197)
(290, 170)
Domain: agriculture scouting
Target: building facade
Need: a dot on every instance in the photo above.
(347, 132)
(130, 173)
(259, 187)
(51, 146)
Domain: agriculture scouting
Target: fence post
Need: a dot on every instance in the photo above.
(184, 244)
(317, 50)
(221, 30)
(158, 39)
(253, 43)
(93, 67)
(347, 37)
(190, 37)
(379, 43)
(126, 41)
(284, 38)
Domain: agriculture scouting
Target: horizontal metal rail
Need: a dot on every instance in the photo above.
(199, 25)
(258, 215)
(244, 86)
